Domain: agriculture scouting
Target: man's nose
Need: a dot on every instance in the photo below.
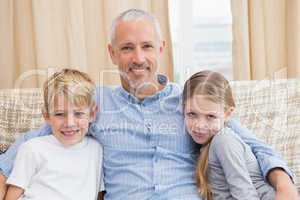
(139, 56)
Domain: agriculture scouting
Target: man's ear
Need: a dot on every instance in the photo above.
(228, 113)
(162, 46)
(112, 53)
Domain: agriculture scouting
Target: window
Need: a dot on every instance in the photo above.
(202, 37)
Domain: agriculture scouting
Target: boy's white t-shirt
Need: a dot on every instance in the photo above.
(46, 169)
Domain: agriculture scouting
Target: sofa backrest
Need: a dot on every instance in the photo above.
(271, 109)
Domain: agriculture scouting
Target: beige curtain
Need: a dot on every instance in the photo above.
(38, 35)
(266, 39)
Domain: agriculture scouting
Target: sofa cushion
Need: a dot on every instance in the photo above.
(271, 109)
(20, 111)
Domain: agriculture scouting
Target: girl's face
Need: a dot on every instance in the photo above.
(204, 118)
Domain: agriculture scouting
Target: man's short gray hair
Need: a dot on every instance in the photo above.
(134, 14)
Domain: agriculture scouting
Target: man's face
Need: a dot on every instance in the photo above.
(136, 50)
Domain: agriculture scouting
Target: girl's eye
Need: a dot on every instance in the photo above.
(211, 117)
(59, 114)
(190, 114)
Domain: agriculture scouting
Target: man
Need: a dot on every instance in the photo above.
(147, 153)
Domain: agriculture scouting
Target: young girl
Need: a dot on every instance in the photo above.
(227, 168)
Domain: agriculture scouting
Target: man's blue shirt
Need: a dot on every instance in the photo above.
(147, 152)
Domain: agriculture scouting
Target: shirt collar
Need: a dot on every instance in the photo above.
(162, 79)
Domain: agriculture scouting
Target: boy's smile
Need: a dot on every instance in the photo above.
(69, 123)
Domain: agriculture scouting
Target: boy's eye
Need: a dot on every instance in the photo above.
(80, 114)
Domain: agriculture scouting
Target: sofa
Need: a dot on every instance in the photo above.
(269, 108)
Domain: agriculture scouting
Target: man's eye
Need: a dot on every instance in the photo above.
(126, 48)
(148, 46)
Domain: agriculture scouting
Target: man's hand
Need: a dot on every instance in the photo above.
(3, 186)
(283, 185)
(101, 195)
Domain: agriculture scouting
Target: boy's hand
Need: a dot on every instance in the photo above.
(3, 186)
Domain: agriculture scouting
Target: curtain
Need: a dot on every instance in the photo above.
(266, 39)
(37, 36)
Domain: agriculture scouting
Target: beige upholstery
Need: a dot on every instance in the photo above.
(271, 109)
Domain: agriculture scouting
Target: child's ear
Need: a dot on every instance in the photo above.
(45, 115)
(93, 113)
(228, 113)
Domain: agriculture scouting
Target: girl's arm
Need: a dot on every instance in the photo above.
(267, 157)
(230, 153)
(13, 192)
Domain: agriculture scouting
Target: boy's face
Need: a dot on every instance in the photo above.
(69, 123)
(204, 118)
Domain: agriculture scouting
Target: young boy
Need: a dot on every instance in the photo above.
(64, 165)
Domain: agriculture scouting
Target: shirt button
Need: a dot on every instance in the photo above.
(148, 126)
(156, 187)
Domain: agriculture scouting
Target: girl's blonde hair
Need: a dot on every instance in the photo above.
(217, 89)
(75, 85)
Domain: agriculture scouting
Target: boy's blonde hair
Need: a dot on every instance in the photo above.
(76, 86)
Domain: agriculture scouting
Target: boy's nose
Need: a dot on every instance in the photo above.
(70, 120)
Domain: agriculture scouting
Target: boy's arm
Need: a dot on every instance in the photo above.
(7, 158)
(25, 166)
(13, 192)
(3, 186)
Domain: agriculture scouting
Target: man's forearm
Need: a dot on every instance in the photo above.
(282, 183)
(278, 178)
(3, 186)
